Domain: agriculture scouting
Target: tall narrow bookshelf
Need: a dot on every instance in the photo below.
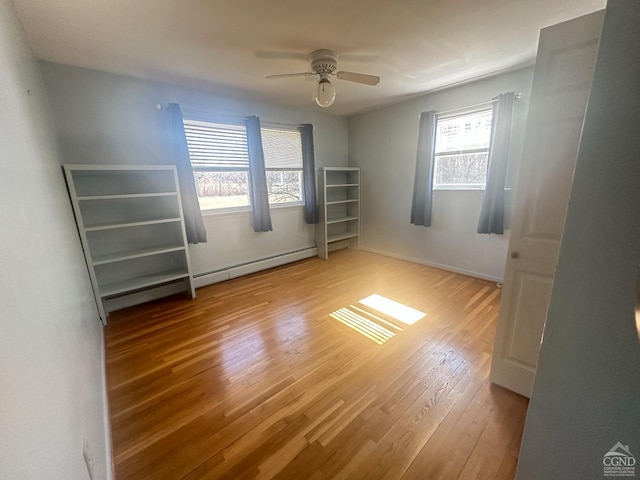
(339, 202)
(131, 227)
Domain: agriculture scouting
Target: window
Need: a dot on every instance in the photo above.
(283, 164)
(462, 150)
(220, 161)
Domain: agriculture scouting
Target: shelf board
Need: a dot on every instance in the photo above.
(133, 223)
(141, 282)
(341, 219)
(346, 200)
(142, 252)
(126, 195)
(340, 169)
(336, 237)
(333, 185)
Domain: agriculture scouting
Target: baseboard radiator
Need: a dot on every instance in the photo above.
(235, 271)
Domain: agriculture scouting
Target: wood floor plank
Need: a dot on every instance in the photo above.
(285, 374)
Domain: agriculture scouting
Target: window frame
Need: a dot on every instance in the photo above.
(293, 129)
(193, 116)
(236, 122)
(467, 151)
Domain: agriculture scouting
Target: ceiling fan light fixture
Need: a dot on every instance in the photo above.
(324, 64)
(325, 93)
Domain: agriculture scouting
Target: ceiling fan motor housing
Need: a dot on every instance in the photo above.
(323, 62)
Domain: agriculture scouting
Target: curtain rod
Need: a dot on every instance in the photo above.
(477, 106)
(233, 117)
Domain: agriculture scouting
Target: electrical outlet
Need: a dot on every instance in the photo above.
(88, 461)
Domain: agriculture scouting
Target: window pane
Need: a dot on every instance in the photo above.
(219, 156)
(464, 132)
(222, 189)
(282, 148)
(216, 144)
(284, 186)
(462, 143)
(461, 169)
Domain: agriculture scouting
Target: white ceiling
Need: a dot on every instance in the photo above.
(414, 45)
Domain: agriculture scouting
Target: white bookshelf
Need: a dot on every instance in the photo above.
(339, 203)
(131, 226)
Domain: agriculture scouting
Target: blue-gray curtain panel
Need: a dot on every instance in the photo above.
(257, 176)
(193, 221)
(492, 212)
(423, 181)
(311, 214)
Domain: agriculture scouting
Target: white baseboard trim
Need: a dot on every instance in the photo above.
(211, 278)
(448, 268)
(252, 267)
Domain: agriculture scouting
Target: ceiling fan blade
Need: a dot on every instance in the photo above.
(358, 78)
(284, 75)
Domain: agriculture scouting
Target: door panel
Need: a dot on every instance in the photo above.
(545, 218)
(561, 82)
(532, 291)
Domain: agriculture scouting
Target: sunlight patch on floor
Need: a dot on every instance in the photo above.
(363, 325)
(393, 309)
(375, 317)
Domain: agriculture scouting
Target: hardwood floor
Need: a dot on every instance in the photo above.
(285, 374)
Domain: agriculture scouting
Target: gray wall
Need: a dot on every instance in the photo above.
(384, 142)
(105, 118)
(586, 396)
(51, 369)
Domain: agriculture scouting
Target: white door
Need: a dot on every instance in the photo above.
(561, 83)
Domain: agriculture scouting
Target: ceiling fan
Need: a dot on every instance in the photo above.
(324, 63)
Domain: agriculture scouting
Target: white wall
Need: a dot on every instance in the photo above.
(384, 142)
(51, 369)
(586, 395)
(105, 118)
